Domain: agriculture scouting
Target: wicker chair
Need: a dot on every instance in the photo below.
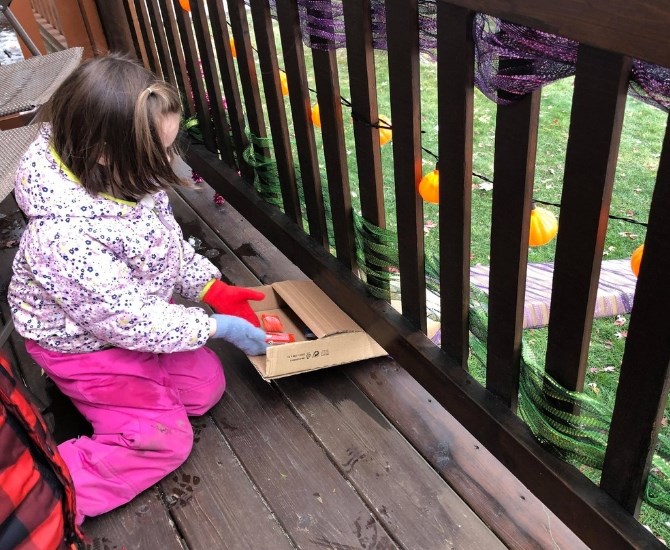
(28, 84)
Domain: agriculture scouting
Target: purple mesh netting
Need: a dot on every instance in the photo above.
(651, 84)
(511, 60)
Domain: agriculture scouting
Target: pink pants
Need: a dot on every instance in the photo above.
(138, 404)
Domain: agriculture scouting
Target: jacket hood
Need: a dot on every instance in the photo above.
(46, 188)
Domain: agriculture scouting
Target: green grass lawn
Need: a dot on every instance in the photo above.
(639, 154)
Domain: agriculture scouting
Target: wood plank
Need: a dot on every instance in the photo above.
(296, 75)
(637, 29)
(274, 100)
(253, 252)
(595, 517)
(595, 131)
(455, 81)
(403, 57)
(513, 513)
(209, 244)
(133, 26)
(161, 42)
(525, 523)
(514, 172)
(210, 72)
(247, 70)
(117, 27)
(96, 34)
(24, 13)
(73, 26)
(213, 502)
(177, 55)
(405, 493)
(332, 133)
(416, 504)
(307, 494)
(144, 24)
(229, 80)
(142, 523)
(363, 86)
(194, 75)
(632, 437)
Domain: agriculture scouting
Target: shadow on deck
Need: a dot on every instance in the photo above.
(349, 457)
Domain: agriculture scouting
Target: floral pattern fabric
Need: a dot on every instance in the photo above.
(93, 272)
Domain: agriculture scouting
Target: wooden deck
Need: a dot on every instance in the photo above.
(345, 458)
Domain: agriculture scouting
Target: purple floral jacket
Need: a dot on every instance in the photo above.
(93, 271)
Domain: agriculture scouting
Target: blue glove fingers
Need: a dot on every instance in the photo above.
(240, 333)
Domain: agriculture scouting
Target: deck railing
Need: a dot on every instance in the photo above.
(54, 25)
(192, 50)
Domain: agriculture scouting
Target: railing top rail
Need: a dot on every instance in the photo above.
(638, 29)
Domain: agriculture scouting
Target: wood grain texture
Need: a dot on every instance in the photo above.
(403, 57)
(637, 29)
(475, 475)
(409, 497)
(593, 143)
(592, 515)
(210, 73)
(276, 111)
(514, 171)
(296, 75)
(633, 437)
(455, 82)
(405, 493)
(516, 515)
(309, 497)
(139, 525)
(213, 502)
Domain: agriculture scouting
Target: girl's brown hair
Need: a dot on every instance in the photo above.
(105, 126)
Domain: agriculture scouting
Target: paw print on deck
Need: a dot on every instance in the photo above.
(182, 489)
(197, 430)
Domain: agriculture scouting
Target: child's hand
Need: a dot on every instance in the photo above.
(240, 333)
(232, 300)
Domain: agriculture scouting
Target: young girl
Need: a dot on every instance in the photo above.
(93, 279)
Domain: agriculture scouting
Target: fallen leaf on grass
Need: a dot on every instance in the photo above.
(620, 321)
(428, 226)
(607, 344)
(594, 387)
(621, 334)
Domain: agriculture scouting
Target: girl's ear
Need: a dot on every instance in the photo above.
(102, 160)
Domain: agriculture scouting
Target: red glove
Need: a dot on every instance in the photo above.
(232, 300)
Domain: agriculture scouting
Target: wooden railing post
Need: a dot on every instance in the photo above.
(115, 26)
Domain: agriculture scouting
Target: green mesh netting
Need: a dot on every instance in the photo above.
(581, 438)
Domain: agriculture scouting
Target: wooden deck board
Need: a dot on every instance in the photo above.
(214, 503)
(304, 462)
(141, 524)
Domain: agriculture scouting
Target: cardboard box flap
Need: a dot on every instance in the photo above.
(315, 308)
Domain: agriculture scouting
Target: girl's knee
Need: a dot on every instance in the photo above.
(208, 394)
(170, 440)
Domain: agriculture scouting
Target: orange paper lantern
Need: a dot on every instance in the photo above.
(185, 5)
(635, 259)
(284, 83)
(429, 187)
(316, 116)
(543, 226)
(385, 134)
